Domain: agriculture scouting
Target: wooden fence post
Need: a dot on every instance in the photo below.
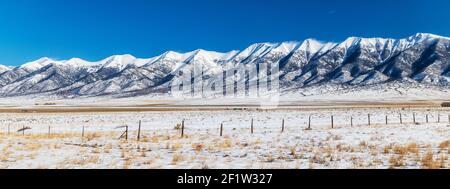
(221, 129)
(386, 119)
(282, 126)
(351, 121)
(426, 118)
(309, 122)
(182, 129)
(414, 118)
(368, 119)
(139, 131)
(332, 122)
(126, 132)
(251, 127)
(401, 120)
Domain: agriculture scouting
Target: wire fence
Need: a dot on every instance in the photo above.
(271, 122)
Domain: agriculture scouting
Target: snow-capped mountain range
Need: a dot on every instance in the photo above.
(420, 59)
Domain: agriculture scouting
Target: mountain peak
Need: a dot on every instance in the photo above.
(312, 45)
(4, 68)
(255, 50)
(37, 64)
(118, 61)
(76, 62)
(287, 46)
(122, 56)
(177, 56)
(42, 59)
(427, 36)
(201, 53)
(351, 41)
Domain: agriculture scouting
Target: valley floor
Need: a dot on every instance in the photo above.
(91, 139)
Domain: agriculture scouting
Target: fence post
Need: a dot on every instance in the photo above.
(221, 129)
(386, 119)
(251, 127)
(332, 122)
(368, 119)
(282, 126)
(139, 131)
(401, 120)
(351, 121)
(414, 118)
(439, 118)
(309, 122)
(126, 132)
(182, 129)
(426, 118)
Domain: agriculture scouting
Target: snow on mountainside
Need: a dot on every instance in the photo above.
(361, 63)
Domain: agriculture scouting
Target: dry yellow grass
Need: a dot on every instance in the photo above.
(413, 148)
(148, 161)
(144, 139)
(396, 161)
(387, 149)
(30, 147)
(363, 144)
(293, 151)
(444, 145)
(226, 143)
(126, 164)
(50, 136)
(177, 146)
(343, 148)
(198, 147)
(177, 158)
(107, 148)
(154, 139)
(91, 136)
(84, 161)
(143, 154)
(177, 127)
(428, 161)
(404, 150)
(123, 154)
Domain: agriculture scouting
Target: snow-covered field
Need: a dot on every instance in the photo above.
(395, 145)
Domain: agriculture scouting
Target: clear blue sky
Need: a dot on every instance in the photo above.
(94, 29)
